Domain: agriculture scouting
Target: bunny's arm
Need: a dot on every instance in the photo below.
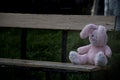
(84, 49)
(108, 51)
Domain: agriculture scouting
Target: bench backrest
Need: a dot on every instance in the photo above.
(60, 22)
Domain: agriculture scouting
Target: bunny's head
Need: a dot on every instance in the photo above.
(97, 34)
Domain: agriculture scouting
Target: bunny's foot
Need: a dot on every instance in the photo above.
(73, 56)
(100, 59)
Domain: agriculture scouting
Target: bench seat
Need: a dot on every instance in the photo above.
(47, 64)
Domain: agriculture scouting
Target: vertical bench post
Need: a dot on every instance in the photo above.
(23, 48)
(64, 46)
(63, 52)
(23, 43)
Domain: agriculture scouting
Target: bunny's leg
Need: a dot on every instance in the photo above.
(100, 59)
(76, 58)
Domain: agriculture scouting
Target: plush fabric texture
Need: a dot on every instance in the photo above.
(95, 53)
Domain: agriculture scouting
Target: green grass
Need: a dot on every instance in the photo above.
(9, 42)
(44, 48)
(46, 45)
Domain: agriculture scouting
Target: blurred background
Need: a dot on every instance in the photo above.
(50, 6)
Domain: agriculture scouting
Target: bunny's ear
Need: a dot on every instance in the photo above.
(88, 29)
(101, 35)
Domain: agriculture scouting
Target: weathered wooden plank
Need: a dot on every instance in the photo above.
(64, 22)
(46, 64)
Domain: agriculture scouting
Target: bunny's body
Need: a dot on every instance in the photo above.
(95, 53)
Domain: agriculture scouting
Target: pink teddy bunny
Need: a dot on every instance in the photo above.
(95, 53)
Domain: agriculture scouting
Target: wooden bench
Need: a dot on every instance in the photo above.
(52, 22)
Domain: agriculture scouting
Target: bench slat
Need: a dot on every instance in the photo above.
(46, 64)
(60, 22)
